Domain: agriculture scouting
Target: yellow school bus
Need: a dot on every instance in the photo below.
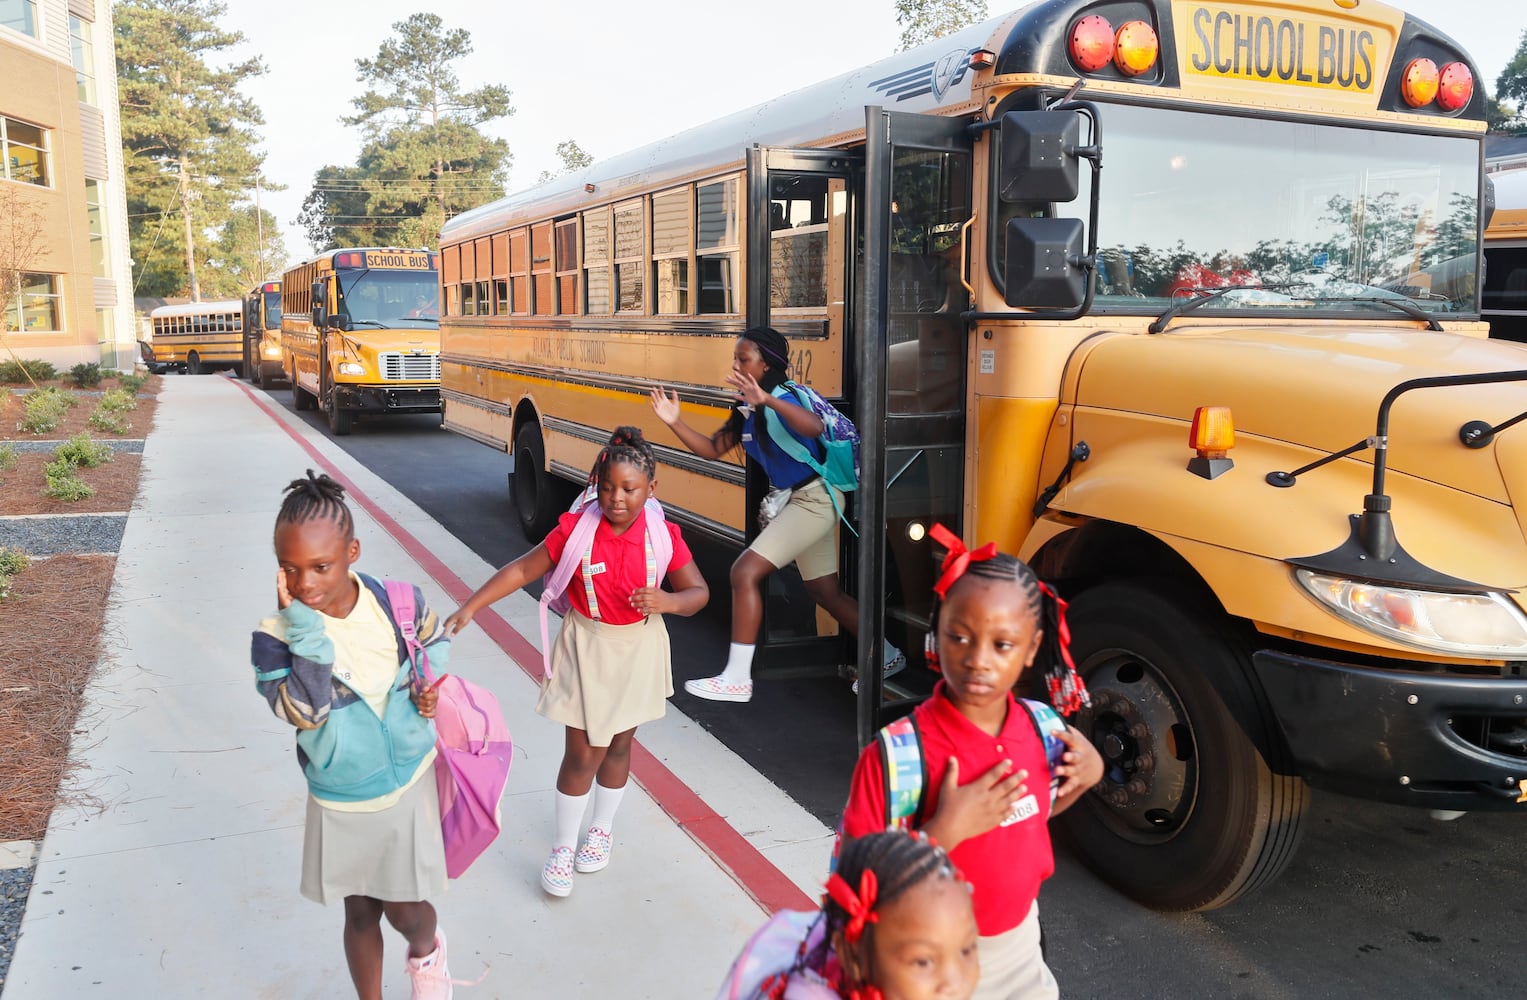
(1223, 394)
(262, 334)
(198, 337)
(360, 333)
(1505, 280)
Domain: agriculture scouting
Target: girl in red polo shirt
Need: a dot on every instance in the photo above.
(988, 794)
(611, 667)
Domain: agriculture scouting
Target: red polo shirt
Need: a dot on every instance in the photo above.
(624, 561)
(1004, 866)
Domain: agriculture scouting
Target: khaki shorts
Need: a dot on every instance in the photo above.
(805, 533)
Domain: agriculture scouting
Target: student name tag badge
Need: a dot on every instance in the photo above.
(1023, 809)
(596, 568)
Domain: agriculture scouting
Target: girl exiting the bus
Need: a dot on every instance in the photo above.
(610, 664)
(804, 532)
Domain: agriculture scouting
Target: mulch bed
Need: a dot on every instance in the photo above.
(115, 483)
(49, 627)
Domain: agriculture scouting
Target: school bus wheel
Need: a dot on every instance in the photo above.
(301, 398)
(341, 420)
(537, 499)
(1198, 804)
(194, 365)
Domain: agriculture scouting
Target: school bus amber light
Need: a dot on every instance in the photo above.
(1213, 431)
(1135, 48)
(1092, 43)
(1419, 84)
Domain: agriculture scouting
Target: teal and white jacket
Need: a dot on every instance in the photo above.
(346, 751)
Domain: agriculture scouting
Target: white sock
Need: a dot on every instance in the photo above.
(739, 664)
(606, 801)
(569, 812)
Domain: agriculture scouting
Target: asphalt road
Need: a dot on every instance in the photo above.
(1380, 901)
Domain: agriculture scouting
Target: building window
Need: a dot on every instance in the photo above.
(35, 308)
(82, 49)
(23, 152)
(19, 15)
(93, 212)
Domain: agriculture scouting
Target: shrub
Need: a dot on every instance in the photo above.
(132, 383)
(117, 401)
(17, 371)
(85, 376)
(81, 450)
(13, 562)
(43, 410)
(111, 423)
(64, 484)
(7, 460)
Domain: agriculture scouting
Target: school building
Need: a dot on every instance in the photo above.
(61, 186)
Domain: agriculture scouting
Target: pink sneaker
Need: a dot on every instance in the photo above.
(557, 876)
(717, 689)
(430, 978)
(595, 852)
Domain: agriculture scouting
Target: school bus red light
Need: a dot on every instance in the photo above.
(1091, 43)
(1419, 84)
(1455, 87)
(1213, 431)
(1135, 48)
(981, 58)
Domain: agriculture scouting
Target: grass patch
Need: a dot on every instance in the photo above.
(81, 450)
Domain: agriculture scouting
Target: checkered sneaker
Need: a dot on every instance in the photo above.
(717, 689)
(594, 853)
(557, 876)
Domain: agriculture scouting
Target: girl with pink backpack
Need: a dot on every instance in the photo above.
(610, 668)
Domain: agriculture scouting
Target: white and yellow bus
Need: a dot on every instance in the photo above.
(1213, 393)
(262, 334)
(360, 333)
(198, 337)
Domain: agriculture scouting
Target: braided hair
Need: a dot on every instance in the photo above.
(314, 498)
(900, 860)
(625, 447)
(775, 351)
(1064, 687)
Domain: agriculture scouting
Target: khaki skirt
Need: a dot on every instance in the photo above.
(608, 678)
(395, 855)
(1013, 965)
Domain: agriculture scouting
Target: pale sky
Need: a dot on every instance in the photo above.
(614, 75)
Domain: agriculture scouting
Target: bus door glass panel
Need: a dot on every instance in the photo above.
(1505, 291)
(925, 376)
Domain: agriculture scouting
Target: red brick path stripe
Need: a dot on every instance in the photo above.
(759, 878)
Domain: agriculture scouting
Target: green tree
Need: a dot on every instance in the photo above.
(247, 249)
(573, 158)
(924, 20)
(188, 135)
(1504, 113)
(334, 212)
(428, 159)
(21, 246)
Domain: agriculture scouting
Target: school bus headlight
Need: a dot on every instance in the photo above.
(1483, 626)
(1419, 84)
(1455, 87)
(1091, 43)
(272, 351)
(351, 368)
(1135, 48)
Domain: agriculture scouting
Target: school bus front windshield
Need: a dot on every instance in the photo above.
(272, 306)
(385, 299)
(1281, 216)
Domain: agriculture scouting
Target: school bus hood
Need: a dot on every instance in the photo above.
(1319, 389)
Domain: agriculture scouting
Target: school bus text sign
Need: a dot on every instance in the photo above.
(406, 261)
(1264, 44)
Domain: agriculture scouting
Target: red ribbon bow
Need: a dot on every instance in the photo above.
(860, 906)
(957, 559)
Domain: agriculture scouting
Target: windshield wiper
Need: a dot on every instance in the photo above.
(367, 322)
(1188, 305)
(1401, 303)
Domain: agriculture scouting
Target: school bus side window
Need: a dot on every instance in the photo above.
(596, 261)
(718, 236)
(566, 250)
(670, 252)
(630, 257)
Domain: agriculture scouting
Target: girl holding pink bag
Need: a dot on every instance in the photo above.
(610, 668)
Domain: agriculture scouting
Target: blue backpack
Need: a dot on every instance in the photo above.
(839, 466)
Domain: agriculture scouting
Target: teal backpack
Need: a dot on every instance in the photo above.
(839, 467)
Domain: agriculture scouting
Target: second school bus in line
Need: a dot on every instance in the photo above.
(262, 334)
(198, 337)
(360, 333)
(1218, 393)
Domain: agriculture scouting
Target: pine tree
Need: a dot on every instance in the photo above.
(188, 135)
(573, 158)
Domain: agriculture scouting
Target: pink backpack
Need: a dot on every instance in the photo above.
(774, 961)
(576, 554)
(472, 748)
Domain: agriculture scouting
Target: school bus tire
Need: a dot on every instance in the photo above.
(194, 365)
(341, 420)
(537, 500)
(1199, 804)
(301, 398)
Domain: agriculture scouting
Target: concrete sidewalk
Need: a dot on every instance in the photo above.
(180, 877)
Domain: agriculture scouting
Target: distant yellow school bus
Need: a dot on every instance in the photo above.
(1225, 394)
(360, 333)
(199, 337)
(262, 334)
(1505, 284)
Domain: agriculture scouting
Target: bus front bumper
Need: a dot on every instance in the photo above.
(385, 399)
(1437, 740)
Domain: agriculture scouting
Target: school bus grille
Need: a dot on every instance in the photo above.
(398, 367)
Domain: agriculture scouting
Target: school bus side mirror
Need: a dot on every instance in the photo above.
(1045, 267)
(320, 292)
(1039, 161)
(1487, 204)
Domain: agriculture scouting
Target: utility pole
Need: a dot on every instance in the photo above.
(185, 207)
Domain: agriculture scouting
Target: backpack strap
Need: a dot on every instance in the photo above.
(788, 443)
(400, 604)
(905, 771)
